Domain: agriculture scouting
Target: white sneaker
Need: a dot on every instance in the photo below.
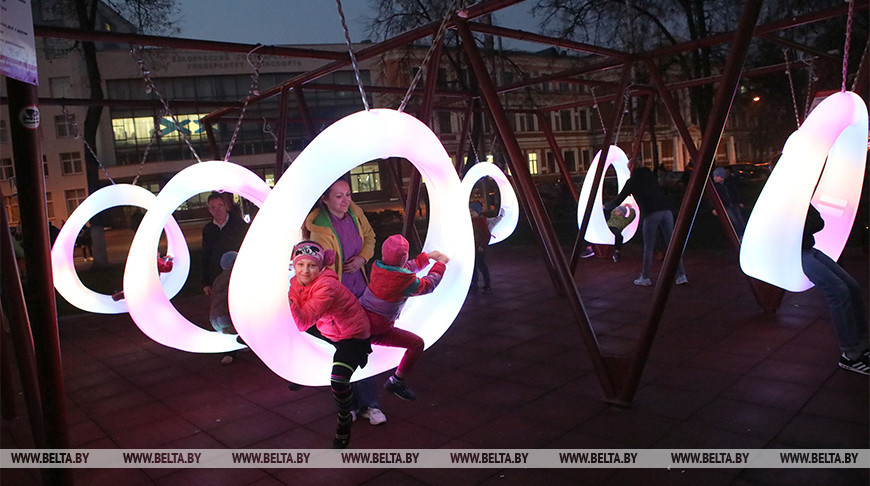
(643, 281)
(375, 416)
(681, 280)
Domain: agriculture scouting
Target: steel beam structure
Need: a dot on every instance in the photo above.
(534, 208)
(716, 124)
(27, 154)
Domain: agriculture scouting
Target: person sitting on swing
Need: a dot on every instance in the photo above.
(317, 298)
(393, 280)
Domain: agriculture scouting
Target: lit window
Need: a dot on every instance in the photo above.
(71, 162)
(11, 203)
(533, 163)
(366, 177)
(139, 130)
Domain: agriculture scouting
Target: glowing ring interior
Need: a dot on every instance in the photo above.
(67, 281)
(148, 305)
(258, 285)
(597, 230)
(508, 223)
(836, 131)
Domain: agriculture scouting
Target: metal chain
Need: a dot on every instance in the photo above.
(861, 65)
(811, 78)
(598, 109)
(267, 129)
(797, 116)
(151, 140)
(621, 117)
(252, 91)
(435, 41)
(352, 56)
(848, 41)
(474, 149)
(78, 136)
(151, 88)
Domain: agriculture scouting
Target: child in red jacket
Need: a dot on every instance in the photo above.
(393, 280)
(317, 298)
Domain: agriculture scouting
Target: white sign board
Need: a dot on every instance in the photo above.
(17, 46)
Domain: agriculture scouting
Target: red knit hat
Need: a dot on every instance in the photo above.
(395, 251)
(312, 251)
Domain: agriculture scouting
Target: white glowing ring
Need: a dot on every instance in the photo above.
(508, 223)
(597, 230)
(836, 131)
(148, 305)
(67, 281)
(258, 285)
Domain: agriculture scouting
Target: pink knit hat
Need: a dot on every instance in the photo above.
(312, 251)
(395, 251)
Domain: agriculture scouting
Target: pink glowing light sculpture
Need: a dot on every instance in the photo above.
(67, 281)
(508, 222)
(259, 282)
(597, 230)
(148, 305)
(830, 149)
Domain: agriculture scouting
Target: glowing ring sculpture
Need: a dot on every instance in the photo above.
(597, 230)
(836, 131)
(258, 285)
(508, 222)
(67, 281)
(148, 305)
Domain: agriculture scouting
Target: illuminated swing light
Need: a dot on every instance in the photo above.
(836, 131)
(258, 285)
(148, 305)
(597, 230)
(67, 281)
(508, 223)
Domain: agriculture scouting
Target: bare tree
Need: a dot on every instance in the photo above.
(141, 16)
(644, 25)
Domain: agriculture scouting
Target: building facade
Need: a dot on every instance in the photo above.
(140, 141)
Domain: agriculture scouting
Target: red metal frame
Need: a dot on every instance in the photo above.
(618, 375)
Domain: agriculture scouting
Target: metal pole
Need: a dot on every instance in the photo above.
(543, 120)
(716, 124)
(15, 308)
(641, 130)
(463, 138)
(609, 139)
(535, 208)
(425, 115)
(27, 152)
(766, 295)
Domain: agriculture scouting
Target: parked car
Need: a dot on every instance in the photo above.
(750, 171)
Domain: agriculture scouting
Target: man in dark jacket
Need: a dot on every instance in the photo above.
(225, 232)
(655, 213)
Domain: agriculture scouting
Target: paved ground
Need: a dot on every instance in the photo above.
(511, 372)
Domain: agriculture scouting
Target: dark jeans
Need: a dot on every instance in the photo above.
(617, 237)
(663, 220)
(844, 298)
(736, 216)
(480, 264)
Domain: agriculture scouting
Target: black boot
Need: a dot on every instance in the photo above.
(342, 432)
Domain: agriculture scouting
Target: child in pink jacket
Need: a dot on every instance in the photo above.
(317, 298)
(393, 280)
